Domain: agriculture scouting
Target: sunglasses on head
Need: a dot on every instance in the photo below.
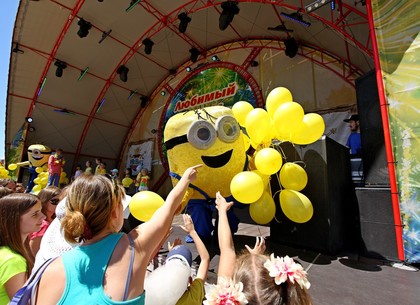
(54, 201)
(114, 182)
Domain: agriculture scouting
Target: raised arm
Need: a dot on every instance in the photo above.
(227, 249)
(201, 248)
(149, 234)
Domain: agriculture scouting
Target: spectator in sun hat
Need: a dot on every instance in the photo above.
(114, 173)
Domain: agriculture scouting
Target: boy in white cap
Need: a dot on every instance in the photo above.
(175, 275)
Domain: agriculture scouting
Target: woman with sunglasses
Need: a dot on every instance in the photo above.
(20, 215)
(109, 267)
(49, 197)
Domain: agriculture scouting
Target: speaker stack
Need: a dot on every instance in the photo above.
(374, 199)
(333, 226)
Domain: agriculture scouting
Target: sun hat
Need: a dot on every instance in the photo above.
(180, 252)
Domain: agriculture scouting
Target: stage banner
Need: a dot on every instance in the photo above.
(140, 156)
(214, 86)
(397, 26)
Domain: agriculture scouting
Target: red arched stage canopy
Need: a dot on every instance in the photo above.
(97, 76)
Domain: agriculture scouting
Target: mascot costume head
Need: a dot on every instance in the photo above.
(210, 136)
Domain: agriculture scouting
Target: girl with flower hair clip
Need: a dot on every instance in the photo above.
(253, 277)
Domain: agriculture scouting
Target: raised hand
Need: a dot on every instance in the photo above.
(259, 247)
(176, 242)
(191, 172)
(222, 204)
(188, 224)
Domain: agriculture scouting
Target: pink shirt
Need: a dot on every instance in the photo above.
(55, 164)
(44, 226)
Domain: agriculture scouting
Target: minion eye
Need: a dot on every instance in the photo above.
(36, 152)
(228, 129)
(201, 134)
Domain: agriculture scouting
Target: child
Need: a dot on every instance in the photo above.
(253, 277)
(78, 171)
(142, 180)
(176, 273)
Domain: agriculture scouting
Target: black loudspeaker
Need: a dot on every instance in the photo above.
(291, 47)
(333, 226)
(377, 226)
(375, 166)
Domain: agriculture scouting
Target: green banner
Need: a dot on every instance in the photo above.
(397, 26)
(14, 154)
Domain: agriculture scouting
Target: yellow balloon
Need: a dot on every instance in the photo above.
(293, 176)
(263, 210)
(240, 111)
(296, 206)
(12, 166)
(144, 204)
(268, 161)
(37, 180)
(63, 175)
(311, 129)
(44, 180)
(39, 170)
(257, 125)
(275, 98)
(264, 178)
(246, 187)
(127, 181)
(247, 141)
(36, 188)
(288, 116)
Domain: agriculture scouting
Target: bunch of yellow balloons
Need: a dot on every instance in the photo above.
(282, 120)
(4, 173)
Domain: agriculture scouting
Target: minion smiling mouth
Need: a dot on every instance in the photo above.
(217, 161)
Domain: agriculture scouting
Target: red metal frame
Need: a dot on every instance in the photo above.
(167, 21)
(57, 43)
(387, 136)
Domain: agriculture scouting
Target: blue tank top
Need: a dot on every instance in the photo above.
(85, 268)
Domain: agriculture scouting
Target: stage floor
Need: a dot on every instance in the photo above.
(346, 279)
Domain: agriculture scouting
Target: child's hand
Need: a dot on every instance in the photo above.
(177, 242)
(221, 203)
(188, 224)
(259, 247)
(191, 172)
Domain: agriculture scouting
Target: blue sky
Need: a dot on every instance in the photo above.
(7, 17)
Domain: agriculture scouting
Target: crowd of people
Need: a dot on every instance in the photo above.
(100, 264)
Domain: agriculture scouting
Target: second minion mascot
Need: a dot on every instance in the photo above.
(210, 136)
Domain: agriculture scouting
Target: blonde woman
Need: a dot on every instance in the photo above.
(110, 267)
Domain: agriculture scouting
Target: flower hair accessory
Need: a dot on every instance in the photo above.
(285, 269)
(226, 292)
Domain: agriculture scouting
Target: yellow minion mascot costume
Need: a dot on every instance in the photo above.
(38, 155)
(210, 136)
